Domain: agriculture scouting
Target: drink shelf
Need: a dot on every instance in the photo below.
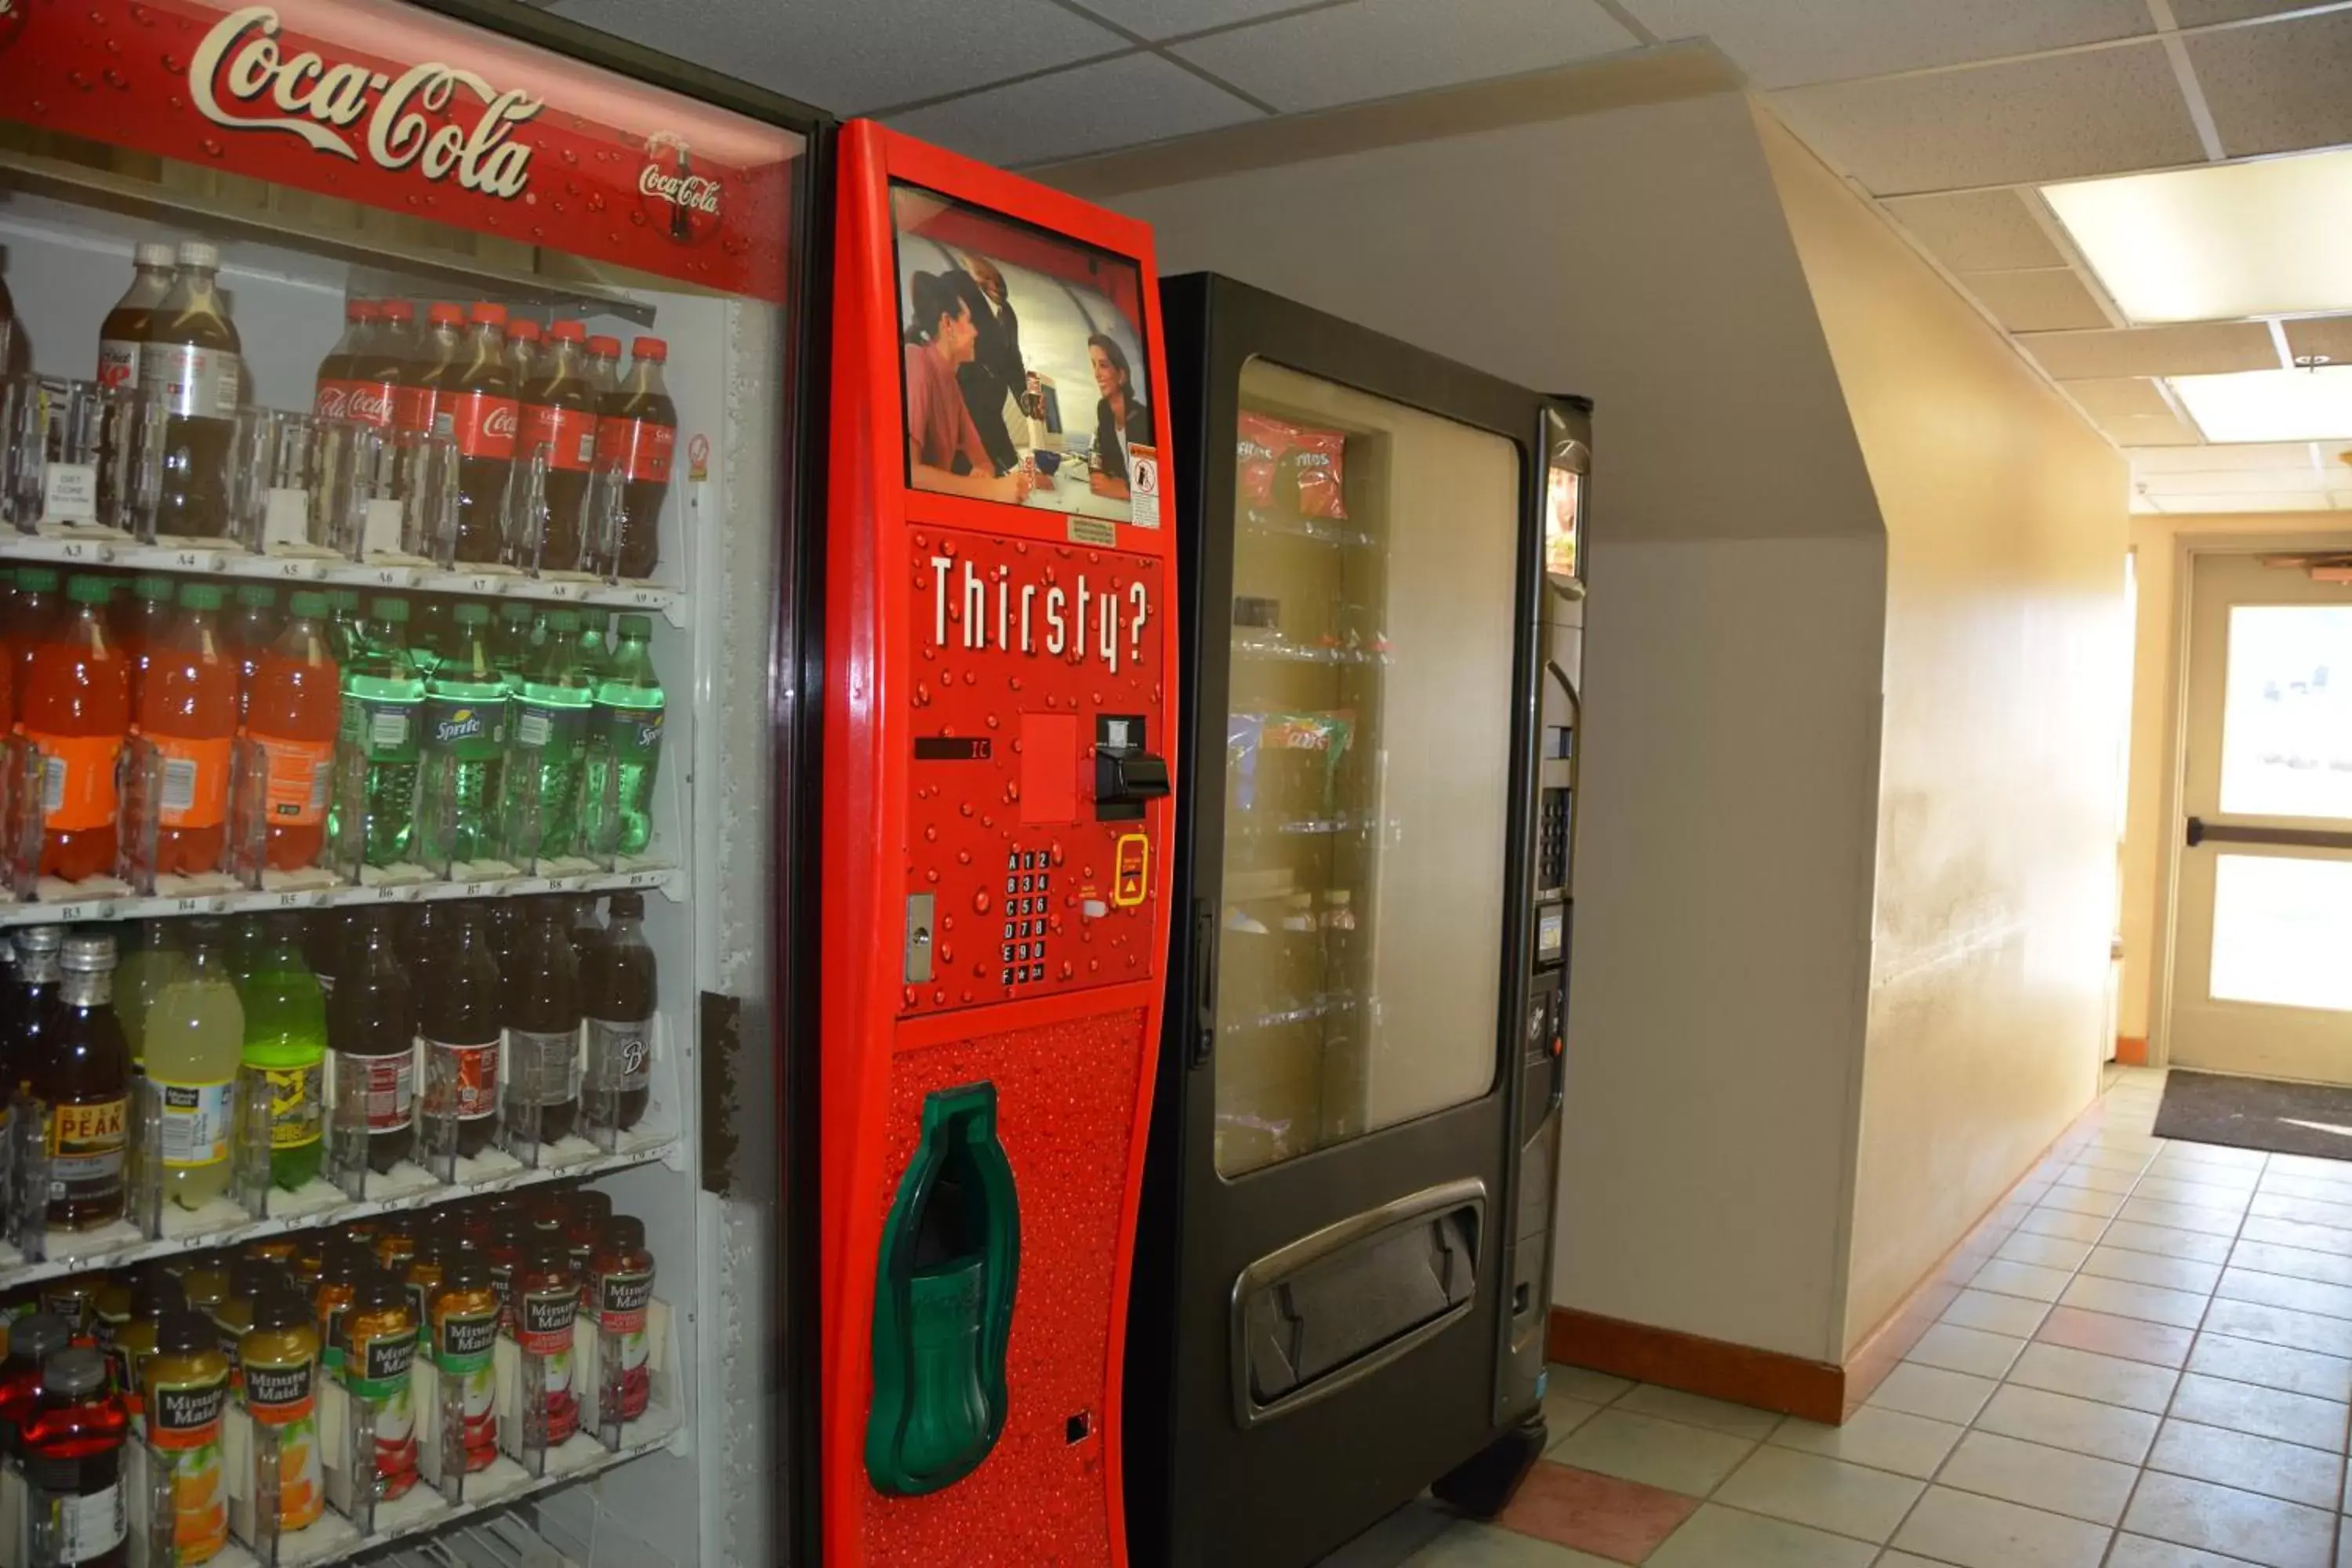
(1337, 535)
(222, 1224)
(105, 898)
(88, 546)
(1299, 827)
(1305, 1013)
(334, 1539)
(1259, 650)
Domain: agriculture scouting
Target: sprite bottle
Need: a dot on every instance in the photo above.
(464, 741)
(547, 748)
(595, 643)
(624, 740)
(376, 754)
(344, 627)
(516, 642)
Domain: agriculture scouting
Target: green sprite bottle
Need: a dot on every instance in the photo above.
(516, 640)
(286, 1045)
(625, 743)
(464, 742)
(548, 744)
(383, 698)
(343, 627)
(596, 641)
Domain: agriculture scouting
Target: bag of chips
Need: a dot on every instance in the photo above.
(1262, 441)
(1316, 470)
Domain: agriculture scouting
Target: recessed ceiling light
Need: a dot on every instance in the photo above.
(2270, 405)
(2269, 237)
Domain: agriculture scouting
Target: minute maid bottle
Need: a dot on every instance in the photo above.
(624, 743)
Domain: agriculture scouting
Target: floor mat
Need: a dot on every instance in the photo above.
(2257, 1113)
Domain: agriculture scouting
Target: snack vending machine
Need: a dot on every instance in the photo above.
(1343, 1288)
(1000, 726)
(401, 442)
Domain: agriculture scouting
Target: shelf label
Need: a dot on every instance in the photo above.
(380, 534)
(69, 492)
(286, 518)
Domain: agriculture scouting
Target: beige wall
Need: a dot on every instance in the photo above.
(2158, 544)
(2005, 656)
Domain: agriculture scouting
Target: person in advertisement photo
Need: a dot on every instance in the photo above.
(1007, 334)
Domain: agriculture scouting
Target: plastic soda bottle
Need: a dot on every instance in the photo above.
(187, 711)
(465, 745)
(624, 743)
(286, 1042)
(293, 710)
(371, 1024)
(549, 746)
(74, 703)
(384, 697)
(194, 1038)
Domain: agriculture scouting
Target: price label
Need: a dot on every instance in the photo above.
(286, 518)
(69, 492)
(380, 534)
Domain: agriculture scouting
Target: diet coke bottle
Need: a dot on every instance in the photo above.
(424, 375)
(637, 432)
(193, 358)
(476, 410)
(559, 411)
(122, 336)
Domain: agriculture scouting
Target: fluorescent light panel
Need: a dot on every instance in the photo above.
(2268, 237)
(2270, 405)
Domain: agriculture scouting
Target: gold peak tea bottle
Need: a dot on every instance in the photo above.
(87, 1082)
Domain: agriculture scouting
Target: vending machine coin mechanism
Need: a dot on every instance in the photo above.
(999, 739)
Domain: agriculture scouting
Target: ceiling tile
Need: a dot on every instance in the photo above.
(2238, 481)
(2129, 394)
(1968, 231)
(2149, 430)
(2042, 300)
(2280, 87)
(2241, 503)
(856, 58)
(1823, 40)
(2329, 336)
(2202, 349)
(1172, 18)
(2099, 112)
(2200, 13)
(1087, 109)
(2217, 459)
(1379, 48)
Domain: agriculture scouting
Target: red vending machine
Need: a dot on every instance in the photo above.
(1000, 728)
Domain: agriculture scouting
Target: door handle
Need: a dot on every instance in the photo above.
(2203, 832)
(1205, 981)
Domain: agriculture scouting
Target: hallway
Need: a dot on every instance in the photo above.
(2152, 1372)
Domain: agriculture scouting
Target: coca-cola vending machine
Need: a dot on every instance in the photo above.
(403, 425)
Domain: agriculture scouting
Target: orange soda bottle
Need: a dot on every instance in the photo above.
(294, 708)
(187, 710)
(75, 705)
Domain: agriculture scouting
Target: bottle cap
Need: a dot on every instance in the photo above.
(567, 332)
(252, 1276)
(88, 952)
(38, 1334)
(486, 314)
(185, 1332)
(471, 614)
(151, 586)
(256, 595)
(343, 598)
(307, 604)
(466, 1271)
(151, 253)
(627, 1232)
(522, 329)
(377, 1291)
(156, 1295)
(652, 349)
(87, 590)
(601, 344)
(564, 620)
(549, 1257)
(344, 1260)
(515, 610)
(636, 626)
(356, 309)
(41, 939)
(590, 1201)
(72, 1374)
(445, 315)
(388, 609)
(401, 312)
(201, 596)
(627, 906)
(200, 255)
(207, 930)
(280, 1306)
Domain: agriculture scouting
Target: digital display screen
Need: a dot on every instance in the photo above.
(1023, 355)
(1551, 931)
(1563, 498)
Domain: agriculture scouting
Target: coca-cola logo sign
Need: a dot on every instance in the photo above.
(502, 422)
(240, 72)
(695, 190)
(676, 199)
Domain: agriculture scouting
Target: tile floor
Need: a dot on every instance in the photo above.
(2154, 1371)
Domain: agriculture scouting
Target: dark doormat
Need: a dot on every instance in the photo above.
(2257, 1113)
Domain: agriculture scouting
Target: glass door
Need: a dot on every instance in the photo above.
(1367, 737)
(2262, 983)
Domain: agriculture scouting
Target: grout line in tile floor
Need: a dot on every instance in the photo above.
(2126, 1112)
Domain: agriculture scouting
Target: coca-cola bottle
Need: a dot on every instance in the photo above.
(636, 431)
(522, 350)
(559, 411)
(477, 411)
(424, 372)
(122, 336)
(376, 359)
(604, 364)
(334, 397)
(193, 358)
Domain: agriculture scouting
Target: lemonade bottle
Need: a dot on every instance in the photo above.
(195, 1037)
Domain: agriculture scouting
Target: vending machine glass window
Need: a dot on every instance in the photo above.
(1367, 742)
